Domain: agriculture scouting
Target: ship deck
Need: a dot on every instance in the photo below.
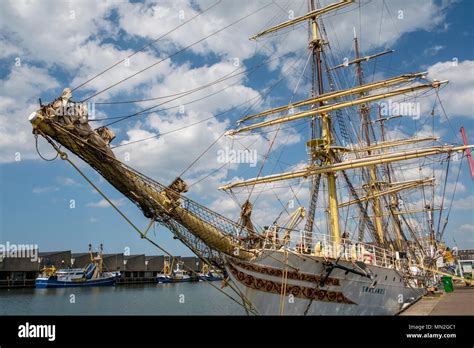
(458, 302)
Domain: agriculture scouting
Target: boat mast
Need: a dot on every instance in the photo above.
(314, 190)
(321, 148)
(101, 258)
(365, 120)
(394, 201)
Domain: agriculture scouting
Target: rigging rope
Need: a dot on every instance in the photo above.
(190, 91)
(177, 52)
(452, 200)
(148, 110)
(146, 46)
(246, 111)
(201, 155)
(278, 131)
(444, 193)
(39, 154)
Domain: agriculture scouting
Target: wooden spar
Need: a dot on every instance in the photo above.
(337, 106)
(309, 15)
(386, 144)
(361, 59)
(338, 94)
(353, 164)
(393, 189)
(411, 211)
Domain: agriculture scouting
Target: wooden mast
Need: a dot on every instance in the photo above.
(394, 201)
(326, 155)
(365, 120)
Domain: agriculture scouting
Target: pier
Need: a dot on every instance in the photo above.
(458, 302)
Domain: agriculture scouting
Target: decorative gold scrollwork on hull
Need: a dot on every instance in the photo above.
(291, 275)
(296, 290)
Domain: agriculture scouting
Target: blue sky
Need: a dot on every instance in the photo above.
(49, 45)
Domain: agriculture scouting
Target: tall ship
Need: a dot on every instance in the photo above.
(91, 275)
(354, 248)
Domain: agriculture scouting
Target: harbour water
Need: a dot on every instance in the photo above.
(141, 299)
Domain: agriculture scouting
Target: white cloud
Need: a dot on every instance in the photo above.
(99, 57)
(467, 228)
(464, 203)
(18, 92)
(394, 18)
(50, 32)
(104, 204)
(64, 181)
(8, 49)
(464, 236)
(184, 78)
(44, 189)
(458, 95)
(140, 19)
(432, 51)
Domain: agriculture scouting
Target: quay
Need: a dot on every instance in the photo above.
(458, 302)
(21, 272)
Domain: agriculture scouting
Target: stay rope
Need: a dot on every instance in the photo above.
(177, 52)
(146, 46)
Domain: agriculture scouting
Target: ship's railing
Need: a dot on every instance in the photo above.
(322, 245)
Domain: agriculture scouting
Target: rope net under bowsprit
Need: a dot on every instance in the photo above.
(203, 230)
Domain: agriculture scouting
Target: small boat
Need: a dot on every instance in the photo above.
(92, 275)
(165, 276)
(180, 275)
(177, 275)
(209, 275)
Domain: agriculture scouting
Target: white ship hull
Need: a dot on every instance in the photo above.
(344, 293)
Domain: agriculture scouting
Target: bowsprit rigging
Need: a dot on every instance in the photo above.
(329, 272)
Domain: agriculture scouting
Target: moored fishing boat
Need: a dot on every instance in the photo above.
(170, 275)
(91, 275)
(209, 274)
